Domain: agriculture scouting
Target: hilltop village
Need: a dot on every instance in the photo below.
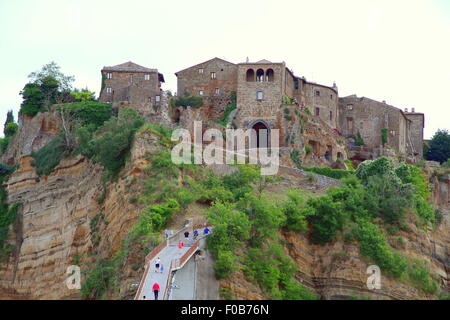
(317, 126)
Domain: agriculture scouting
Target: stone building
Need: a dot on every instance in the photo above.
(130, 83)
(416, 131)
(214, 77)
(370, 117)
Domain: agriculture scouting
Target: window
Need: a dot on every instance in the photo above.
(331, 115)
(200, 92)
(109, 75)
(108, 90)
(217, 91)
(147, 77)
(331, 96)
(250, 75)
(349, 107)
(149, 99)
(157, 99)
(317, 111)
(213, 75)
(200, 71)
(259, 95)
(317, 93)
(269, 75)
(259, 75)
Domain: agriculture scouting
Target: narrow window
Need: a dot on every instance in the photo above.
(331, 115)
(157, 99)
(108, 90)
(317, 93)
(109, 75)
(217, 91)
(331, 96)
(317, 111)
(149, 99)
(200, 71)
(147, 77)
(259, 95)
(200, 92)
(213, 75)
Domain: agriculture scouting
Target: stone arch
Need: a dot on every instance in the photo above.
(260, 139)
(250, 75)
(269, 75)
(260, 75)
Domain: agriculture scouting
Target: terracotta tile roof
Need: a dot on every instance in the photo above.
(129, 67)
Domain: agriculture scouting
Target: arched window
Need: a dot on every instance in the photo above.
(269, 75)
(260, 75)
(250, 75)
(260, 136)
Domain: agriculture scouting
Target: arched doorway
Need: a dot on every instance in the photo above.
(262, 131)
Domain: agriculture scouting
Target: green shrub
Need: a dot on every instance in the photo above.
(295, 157)
(4, 143)
(231, 227)
(11, 129)
(329, 172)
(112, 142)
(226, 113)
(224, 265)
(189, 101)
(49, 156)
(384, 136)
(349, 164)
(99, 280)
(326, 217)
(294, 210)
(308, 149)
(358, 139)
(89, 112)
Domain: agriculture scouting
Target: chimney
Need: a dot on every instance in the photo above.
(406, 109)
(413, 110)
(384, 101)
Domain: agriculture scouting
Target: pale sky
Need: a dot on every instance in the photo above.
(393, 50)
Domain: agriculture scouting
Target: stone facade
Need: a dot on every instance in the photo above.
(322, 101)
(214, 77)
(130, 83)
(417, 123)
(369, 117)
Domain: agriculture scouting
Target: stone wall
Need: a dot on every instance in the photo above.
(131, 87)
(416, 131)
(369, 117)
(191, 81)
(324, 98)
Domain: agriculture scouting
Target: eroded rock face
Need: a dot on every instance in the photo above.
(34, 133)
(54, 225)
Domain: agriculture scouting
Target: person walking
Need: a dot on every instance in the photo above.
(206, 230)
(156, 290)
(186, 236)
(195, 234)
(157, 264)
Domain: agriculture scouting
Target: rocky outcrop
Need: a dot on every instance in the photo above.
(34, 133)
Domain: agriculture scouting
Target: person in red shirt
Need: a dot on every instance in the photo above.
(156, 290)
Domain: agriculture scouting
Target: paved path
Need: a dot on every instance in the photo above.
(166, 255)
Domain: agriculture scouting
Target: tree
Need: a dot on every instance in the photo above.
(439, 147)
(52, 70)
(47, 86)
(9, 119)
(83, 95)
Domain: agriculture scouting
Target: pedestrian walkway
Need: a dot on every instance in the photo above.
(172, 258)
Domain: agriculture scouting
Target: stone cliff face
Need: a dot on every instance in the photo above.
(338, 271)
(53, 229)
(53, 225)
